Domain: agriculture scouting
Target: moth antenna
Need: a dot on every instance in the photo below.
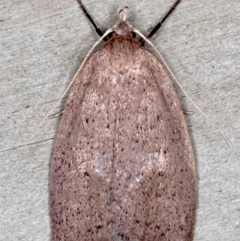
(181, 87)
(69, 86)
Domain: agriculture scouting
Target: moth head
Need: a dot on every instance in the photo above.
(123, 27)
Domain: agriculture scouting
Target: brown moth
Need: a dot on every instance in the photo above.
(123, 165)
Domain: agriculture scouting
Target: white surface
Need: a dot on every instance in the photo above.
(43, 43)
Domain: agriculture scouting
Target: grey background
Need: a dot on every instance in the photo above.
(42, 43)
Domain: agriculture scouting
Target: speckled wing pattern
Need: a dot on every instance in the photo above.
(123, 167)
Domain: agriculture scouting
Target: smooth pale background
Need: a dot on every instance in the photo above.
(43, 43)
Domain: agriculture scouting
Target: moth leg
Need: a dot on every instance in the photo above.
(187, 112)
(56, 114)
(158, 26)
(99, 31)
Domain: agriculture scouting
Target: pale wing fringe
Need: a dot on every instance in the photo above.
(162, 60)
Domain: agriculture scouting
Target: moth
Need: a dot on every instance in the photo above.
(123, 166)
